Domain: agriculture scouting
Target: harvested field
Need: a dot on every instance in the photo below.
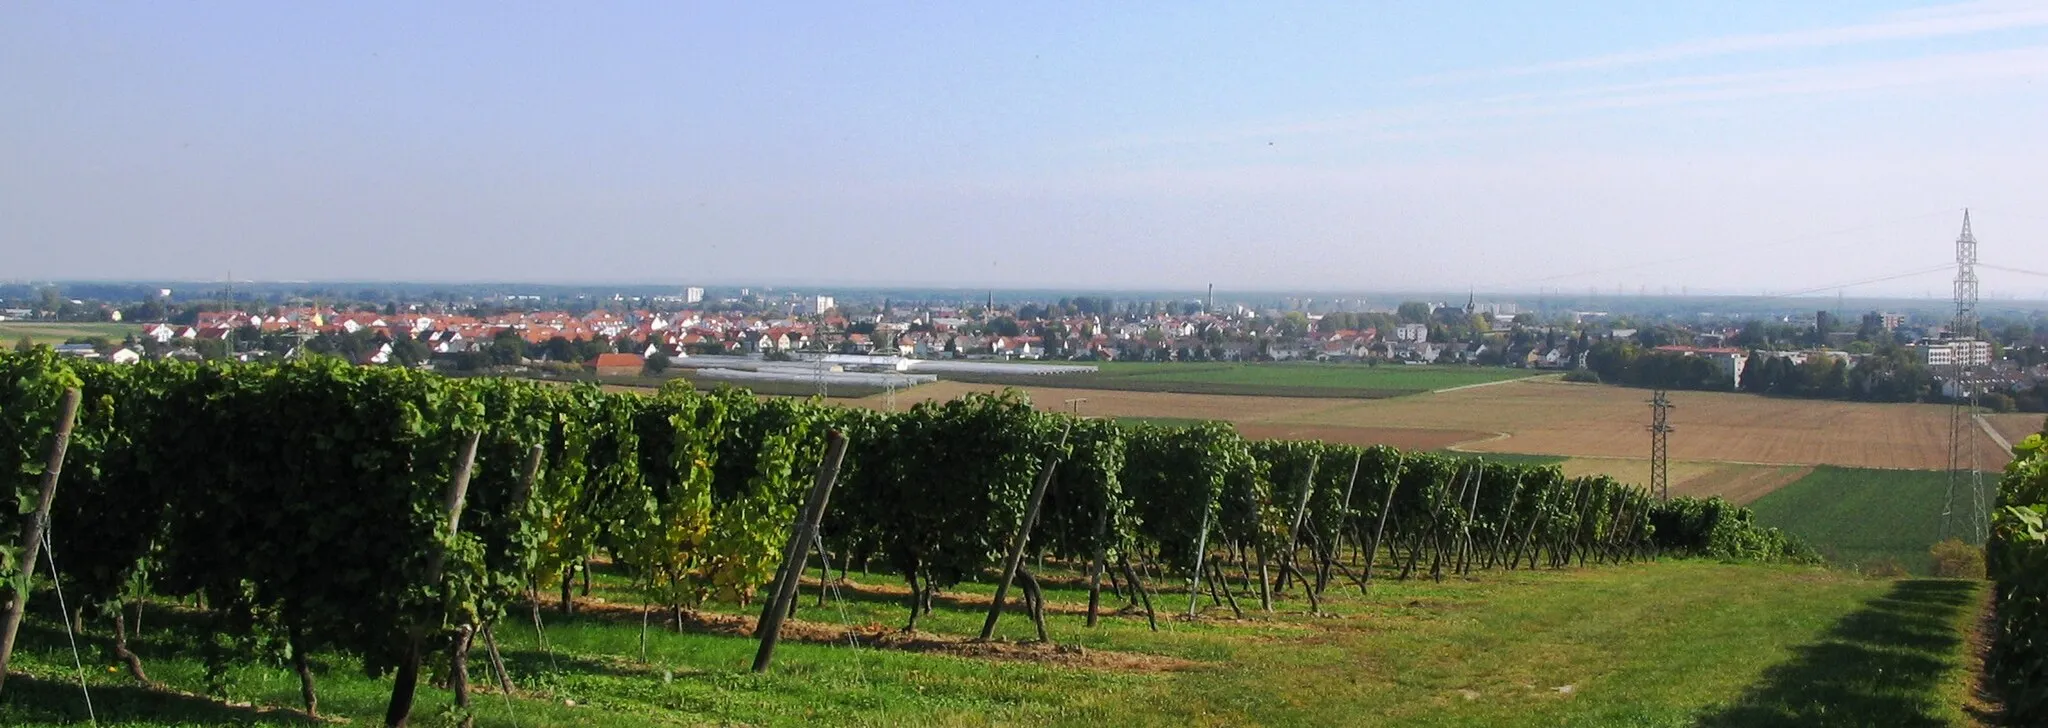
(1738, 483)
(1402, 437)
(1549, 417)
(1592, 421)
(2015, 427)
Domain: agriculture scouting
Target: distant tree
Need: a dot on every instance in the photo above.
(1004, 326)
(588, 349)
(1294, 325)
(656, 364)
(1413, 312)
(25, 345)
(1756, 373)
(409, 351)
(559, 348)
(1753, 335)
(507, 348)
(211, 348)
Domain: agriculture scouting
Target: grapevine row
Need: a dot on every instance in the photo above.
(306, 504)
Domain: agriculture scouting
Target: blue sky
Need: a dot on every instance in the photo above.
(1507, 146)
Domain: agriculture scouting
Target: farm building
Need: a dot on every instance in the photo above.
(618, 365)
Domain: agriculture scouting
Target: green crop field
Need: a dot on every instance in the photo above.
(1860, 517)
(1665, 644)
(57, 333)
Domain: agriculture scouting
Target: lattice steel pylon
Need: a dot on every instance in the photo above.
(1660, 444)
(1964, 469)
(1965, 325)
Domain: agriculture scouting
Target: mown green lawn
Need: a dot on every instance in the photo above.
(1666, 644)
(1862, 517)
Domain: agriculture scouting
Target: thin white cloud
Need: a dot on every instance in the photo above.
(1432, 119)
(1933, 22)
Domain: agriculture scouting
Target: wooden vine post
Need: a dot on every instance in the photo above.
(407, 680)
(1344, 509)
(534, 457)
(32, 533)
(1507, 518)
(1097, 566)
(1287, 560)
(1015, 559)
(1386, 508)
(803, 532)
(1201, 549)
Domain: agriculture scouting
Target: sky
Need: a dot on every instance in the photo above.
(1510, 146)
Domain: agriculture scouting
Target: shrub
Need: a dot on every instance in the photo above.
(1582, 376)
(1886, 568)
(1716, 528)
(1954, 559)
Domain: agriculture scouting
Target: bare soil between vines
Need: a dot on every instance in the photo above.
(877, 636)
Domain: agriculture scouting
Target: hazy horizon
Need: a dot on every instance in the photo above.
(1494, 146)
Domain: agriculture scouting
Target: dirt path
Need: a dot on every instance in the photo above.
(1993, 432)
(1464, 387)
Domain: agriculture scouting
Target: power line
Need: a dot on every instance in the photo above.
(2010, 269)
(1723, 250)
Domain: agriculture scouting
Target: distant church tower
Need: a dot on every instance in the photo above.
(1471, 301)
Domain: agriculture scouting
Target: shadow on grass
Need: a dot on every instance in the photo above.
(1884, 664)
(37, 700)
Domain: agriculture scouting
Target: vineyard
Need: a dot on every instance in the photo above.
(396, 517)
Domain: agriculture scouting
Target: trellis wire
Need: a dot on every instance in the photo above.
(64, 615)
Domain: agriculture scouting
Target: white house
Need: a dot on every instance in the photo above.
(124, 356)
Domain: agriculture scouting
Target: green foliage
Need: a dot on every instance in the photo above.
(1716, 528)
(1179, 478)
(1623, 362)
(308, 501)
(2017, 562)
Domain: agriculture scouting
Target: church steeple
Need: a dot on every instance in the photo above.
(1471, 301)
